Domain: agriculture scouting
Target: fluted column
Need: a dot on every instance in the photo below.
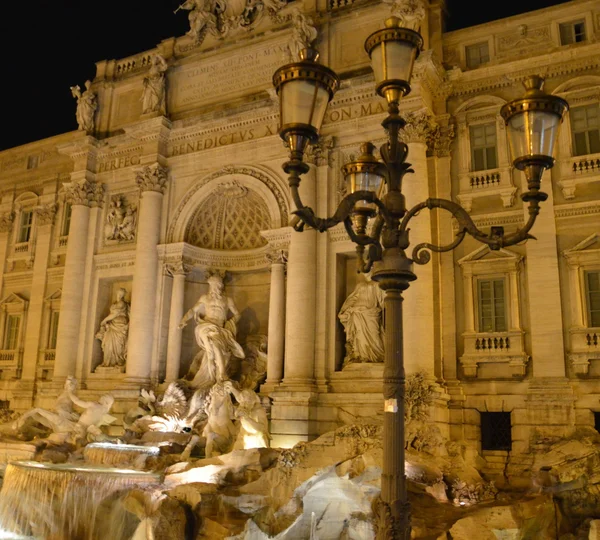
(152, 180)
(275, 349)
(179, 271)
(301, 299)
(419, 322)
(81, 196)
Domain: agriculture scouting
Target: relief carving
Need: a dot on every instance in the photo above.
(121, 220)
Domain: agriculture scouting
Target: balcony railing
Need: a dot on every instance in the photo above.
(7, 355)
(22, 247)
(585, 347)
(487, 183)
(494, 347)
(578, 170)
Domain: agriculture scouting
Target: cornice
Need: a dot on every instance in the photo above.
(577, 210)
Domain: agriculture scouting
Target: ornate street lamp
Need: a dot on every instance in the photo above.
(304, 89)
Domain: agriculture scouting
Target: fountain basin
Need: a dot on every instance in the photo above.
(60, 501)
(114, 454)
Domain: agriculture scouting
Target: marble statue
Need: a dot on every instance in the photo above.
(113, 333)
(153, 97)
(61, 419)
(114, 218)
(86, 107)
(253, 422)
(216, 318)
(126, 230)
(94, 416)
(219, 430)
(303, 33)
(201, 17)
(361, 315)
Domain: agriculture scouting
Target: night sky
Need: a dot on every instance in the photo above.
(49, 45)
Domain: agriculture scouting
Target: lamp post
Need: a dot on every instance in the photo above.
(304, 89)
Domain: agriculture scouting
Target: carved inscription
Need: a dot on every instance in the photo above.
(252, 69)
(118, 163)
(350, 112)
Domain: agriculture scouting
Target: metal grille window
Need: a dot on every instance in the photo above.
(492, 305)
(496, 431)
(572, 32)
(25, 226)
(477, 54)
(592, 293)
(53, 333)
(66, 225)
(11, 335)
(585, 127)
(483, 147)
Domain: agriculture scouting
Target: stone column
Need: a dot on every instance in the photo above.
(179, 271)
(81, 196)
(301, 299)
(419, 320)
(6, 223)
(44, 220)
(152, 180)
(276, 332)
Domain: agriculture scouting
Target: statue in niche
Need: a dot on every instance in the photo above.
(61, 419)
(113, 333)
(153, 97)
(303, 33)
(86, 107)
(361, 316)
(216, 318)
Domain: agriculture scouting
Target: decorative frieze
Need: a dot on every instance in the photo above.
(152, 178)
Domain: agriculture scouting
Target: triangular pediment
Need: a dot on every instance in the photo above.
(485, 254)
(591, 243)
(13, 299)
(56, 295)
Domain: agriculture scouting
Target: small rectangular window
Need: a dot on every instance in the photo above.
(496, 431)
(25, 226)
(483, 147)
(585, 128)
(477, 54)
(32, 162)
(592, 294)
(66, 224)
(572, 32)
(53, 332)
(11, 334)
(492, 305)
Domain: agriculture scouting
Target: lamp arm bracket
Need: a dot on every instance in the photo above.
(496, 239)
(344, 210)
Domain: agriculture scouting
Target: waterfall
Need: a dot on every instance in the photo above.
(118, 454)
(62, 501)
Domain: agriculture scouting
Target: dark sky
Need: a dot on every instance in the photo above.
(49, 45)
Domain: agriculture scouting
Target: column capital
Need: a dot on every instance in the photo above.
(6, 221)
(45, 213)
(152, 178)
(84, 193)
(420, 127)
(277, 256)
(321, 153)
(175, 268)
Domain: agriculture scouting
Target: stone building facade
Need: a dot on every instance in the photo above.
(157, 192)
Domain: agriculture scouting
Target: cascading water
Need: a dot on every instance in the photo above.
(62, 501)
(104, 453)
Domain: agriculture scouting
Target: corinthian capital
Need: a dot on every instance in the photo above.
(84, 193)
(277, 256)
(321, 153)
(6, 221)
(152, 178)
(45, 214)
(420, 127)
(174, 268)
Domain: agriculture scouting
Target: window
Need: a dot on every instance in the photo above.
(11, 334)
(477, 54)
(32, 162)
(495, 431)
(53, 332)
(25, 226)
(572, 32)
(66, 225)
(585, 126)
(492, 305)
(483, 147)
(592, 295)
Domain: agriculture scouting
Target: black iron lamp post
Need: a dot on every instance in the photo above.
(305, 89)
